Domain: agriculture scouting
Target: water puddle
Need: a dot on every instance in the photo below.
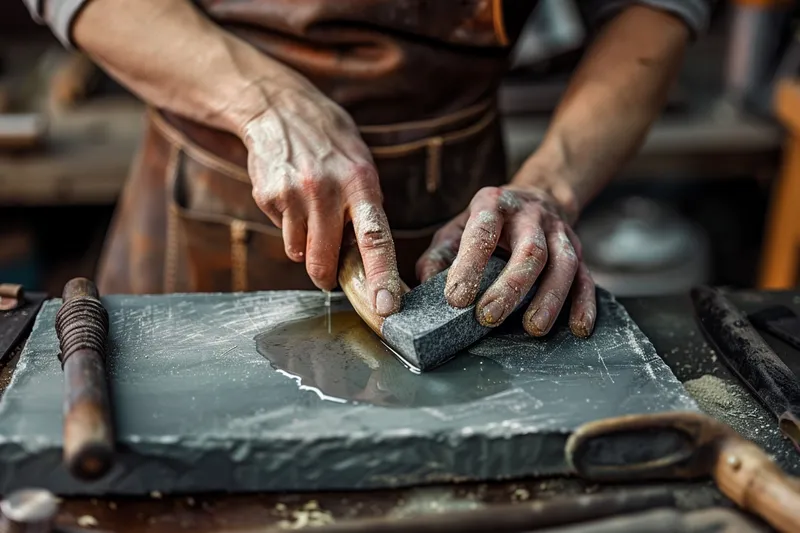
(339, 358)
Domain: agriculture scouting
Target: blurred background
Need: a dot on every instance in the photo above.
(713, 196)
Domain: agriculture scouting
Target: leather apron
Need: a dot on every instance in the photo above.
(419, 77)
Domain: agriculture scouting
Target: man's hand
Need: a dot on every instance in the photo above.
(527, 222)
(311, 173)
(612, 99)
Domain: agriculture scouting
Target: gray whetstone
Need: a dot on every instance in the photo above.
(428, 331)
(198, 409)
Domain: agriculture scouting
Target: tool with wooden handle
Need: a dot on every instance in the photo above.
(686, 446)
(427, 331)
(82, 329)
(353, 282)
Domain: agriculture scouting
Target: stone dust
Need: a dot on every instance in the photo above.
(310, 515)
(87, 521)
(729, 403)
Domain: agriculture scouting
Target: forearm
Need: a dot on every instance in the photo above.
(174, 58)
(614, 96)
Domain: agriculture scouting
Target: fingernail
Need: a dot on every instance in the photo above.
(541, 319)
(384, 302)
(459, 294)
(492, 312)
(451, 291)
(584, 325)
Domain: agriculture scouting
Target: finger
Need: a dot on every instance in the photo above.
(376, 245)
(294, 236)
(583, 314)
(576, 242)
(479, 240)
(325, 226)
(443, 249)
(528, 258)
(554, 285)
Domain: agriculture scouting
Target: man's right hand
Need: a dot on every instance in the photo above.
(311, 173)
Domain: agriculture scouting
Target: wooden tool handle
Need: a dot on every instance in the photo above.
(746, 475)
(687, 445)
(82, 327)
(353, 282)
(11, 290)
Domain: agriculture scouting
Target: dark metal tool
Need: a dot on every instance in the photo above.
(518, 517)
(781, 322)
(82, 329)
(750, 357)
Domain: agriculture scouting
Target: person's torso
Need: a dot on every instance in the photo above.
(385, 61)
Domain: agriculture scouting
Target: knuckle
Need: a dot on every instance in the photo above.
(534, 248)
(576, 244)
(568, 262)
(376, 239)
(363, 171)
(311, 183)
(270, 201)
(262, 196)
(552, 299)
(362, 178)
(557, 226)
(565, 253)
(319, 271)
(491, 194)
(514, 283)
(508, 202)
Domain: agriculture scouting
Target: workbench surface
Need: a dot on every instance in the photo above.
(667, 321)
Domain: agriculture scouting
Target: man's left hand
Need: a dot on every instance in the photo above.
(529, 223)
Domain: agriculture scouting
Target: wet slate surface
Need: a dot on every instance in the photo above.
(198, 409)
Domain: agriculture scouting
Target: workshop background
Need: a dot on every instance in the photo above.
(707, 200)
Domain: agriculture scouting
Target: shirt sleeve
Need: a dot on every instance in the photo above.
(58, 15)
(695, 13)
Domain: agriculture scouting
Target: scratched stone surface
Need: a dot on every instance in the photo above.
(197, 408)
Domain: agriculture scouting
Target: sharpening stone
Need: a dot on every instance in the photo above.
(428, 331)
(198, 409)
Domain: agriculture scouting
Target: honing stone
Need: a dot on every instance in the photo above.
(428, 331)
(198, 409)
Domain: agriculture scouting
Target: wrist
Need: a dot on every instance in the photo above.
(553, 176)
(252, 88)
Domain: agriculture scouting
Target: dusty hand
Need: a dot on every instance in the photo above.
(528, 223)
(311, 173)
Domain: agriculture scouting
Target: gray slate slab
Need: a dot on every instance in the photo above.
(198, 409)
